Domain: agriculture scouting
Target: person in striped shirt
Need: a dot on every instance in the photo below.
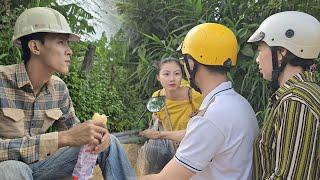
(288, 146)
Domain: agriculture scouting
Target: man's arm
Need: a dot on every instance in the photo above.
(68, 118)
(89, 132)
(32, 149)
(74, 133)
(296, 142)
(195, 151)
(28, 149)
(173, 170)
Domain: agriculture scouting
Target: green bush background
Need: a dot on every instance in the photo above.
(122, 77)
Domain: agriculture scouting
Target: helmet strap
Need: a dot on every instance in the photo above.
(192, 72)
(275, 73)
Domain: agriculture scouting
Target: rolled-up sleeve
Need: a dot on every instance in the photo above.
(29, 149)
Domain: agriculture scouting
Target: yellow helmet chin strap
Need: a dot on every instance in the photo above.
(192, 72)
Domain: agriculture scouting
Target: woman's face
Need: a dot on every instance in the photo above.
(170, 75)
(264, 61)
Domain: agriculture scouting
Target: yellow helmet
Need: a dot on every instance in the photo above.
(211, 44)
(41, 19)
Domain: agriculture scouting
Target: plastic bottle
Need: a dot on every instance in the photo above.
(85, 164)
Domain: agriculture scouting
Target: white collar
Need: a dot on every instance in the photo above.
(215, 92)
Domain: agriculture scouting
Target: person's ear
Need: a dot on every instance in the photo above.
(281, 53)
(34, 47)
(157, 76)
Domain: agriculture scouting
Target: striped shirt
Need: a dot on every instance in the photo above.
(25, 118)
(288, 146)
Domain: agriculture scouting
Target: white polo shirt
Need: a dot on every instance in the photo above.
(219, 144)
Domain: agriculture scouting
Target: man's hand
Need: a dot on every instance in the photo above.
(105, 142)
(89, 132)
(151, 134)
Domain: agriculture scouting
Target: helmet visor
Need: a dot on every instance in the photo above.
(256, 37)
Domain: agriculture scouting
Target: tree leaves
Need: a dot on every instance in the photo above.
(247, 50)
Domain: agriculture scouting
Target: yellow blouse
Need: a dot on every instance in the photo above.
(179, 111)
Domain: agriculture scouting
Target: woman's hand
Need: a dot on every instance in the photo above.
(151, 134)
(155, 117)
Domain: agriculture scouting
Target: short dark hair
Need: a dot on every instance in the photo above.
(24, 44)
(158, 64)
(213, 68)
(294, 60)
(217, 69)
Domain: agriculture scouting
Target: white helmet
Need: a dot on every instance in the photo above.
(41, 19)
(296, 31)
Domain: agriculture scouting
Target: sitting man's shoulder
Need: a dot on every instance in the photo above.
(58, 84)
(57, 80)
(6, 70)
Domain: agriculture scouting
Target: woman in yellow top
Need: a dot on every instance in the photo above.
(181, 102)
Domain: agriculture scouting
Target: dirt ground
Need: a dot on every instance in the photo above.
(132, 153)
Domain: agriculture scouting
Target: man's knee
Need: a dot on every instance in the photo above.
(14, 165)
(15, 170)
(114, 144)
(113, 139)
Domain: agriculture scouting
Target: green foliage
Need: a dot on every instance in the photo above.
(90, 95)
(104, 90)
(8, 53)
(122, 77)
(76, 16)
(155, 28)
(10, 10)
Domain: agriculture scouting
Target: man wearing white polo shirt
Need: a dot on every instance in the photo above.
(219, 139)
